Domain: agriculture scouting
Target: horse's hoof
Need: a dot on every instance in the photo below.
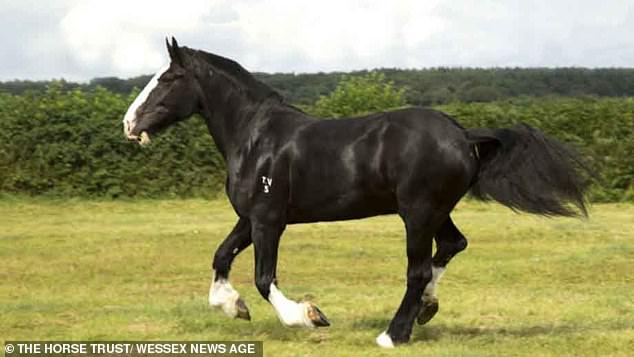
(243, 311)
(317, 317)
(428, 311)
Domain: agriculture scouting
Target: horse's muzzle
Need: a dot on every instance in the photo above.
(143, 138)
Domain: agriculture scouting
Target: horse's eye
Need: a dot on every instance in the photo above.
(169, 77)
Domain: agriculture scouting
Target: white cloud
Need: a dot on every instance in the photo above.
(88, 38)
(336, 34)
(124, 33)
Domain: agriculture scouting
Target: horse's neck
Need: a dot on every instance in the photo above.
(232, 119)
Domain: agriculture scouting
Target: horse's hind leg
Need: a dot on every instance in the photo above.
(449, 242)
(422, 220)
(221, 294)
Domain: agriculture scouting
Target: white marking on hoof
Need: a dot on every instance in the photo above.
(290, 313)
(222, 295)
(384, 340)
(430, 289)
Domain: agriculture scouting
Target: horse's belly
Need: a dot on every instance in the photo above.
(341, 206)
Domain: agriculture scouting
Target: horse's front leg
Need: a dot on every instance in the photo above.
(266, 239)
(221, 294)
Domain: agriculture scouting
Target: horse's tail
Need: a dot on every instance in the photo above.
(524, 169)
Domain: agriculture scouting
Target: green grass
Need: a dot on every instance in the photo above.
(80, 270)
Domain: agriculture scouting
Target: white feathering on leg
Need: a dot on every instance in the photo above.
(290, 313)
(430, 289)
(222, 295)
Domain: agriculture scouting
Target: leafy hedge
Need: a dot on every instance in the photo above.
(70, 143)
(359, 95)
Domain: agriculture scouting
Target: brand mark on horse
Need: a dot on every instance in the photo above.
(267, 182)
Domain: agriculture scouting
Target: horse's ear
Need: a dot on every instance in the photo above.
(169, 47)
(176, 55)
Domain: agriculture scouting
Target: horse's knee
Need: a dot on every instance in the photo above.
(236, 241)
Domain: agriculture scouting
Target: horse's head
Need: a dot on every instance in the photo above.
(170, 96)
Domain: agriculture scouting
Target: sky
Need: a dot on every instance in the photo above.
(83, 39)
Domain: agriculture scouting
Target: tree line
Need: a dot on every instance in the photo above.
(424, 86)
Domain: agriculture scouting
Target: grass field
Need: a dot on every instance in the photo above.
(78, 270)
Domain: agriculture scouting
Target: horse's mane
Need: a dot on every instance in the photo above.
(234, 71)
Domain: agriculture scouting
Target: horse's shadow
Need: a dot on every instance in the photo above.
(437, 331)
(270, 328)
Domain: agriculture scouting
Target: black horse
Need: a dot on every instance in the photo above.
(285, 167)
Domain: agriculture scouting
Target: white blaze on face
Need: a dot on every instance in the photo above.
(129, 120)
